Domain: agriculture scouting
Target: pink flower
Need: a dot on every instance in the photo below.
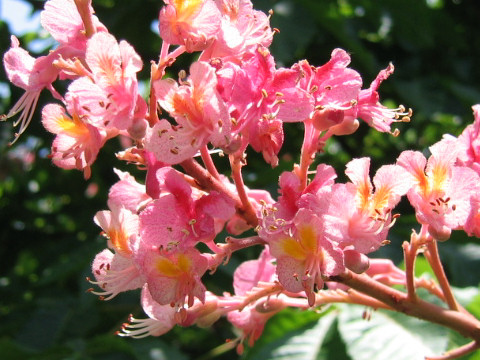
(109, 95)
(192, 23)
(77, 142)
(334, 88)
(116, 271)
(305, 255)
(200, 113)
(472, 226)
(278, 217)
(251, 272)
(375, 114)
(259, 97)
(442, 192)
(180, 216)
(252, 319)
(63, 21)
(173, 275)
(236, 225)
(242, 30)
(360, 214)
(127, 193)
(469, 140)
(161, 319)
(32, 75)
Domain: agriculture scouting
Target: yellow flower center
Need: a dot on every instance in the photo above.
(119, 240)
(73, 127)
(186, 8)
(174, 267)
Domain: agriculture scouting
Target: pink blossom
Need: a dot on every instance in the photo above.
(116, 271)
(472, 226)
(77, 142)
(193, 24)
(181, 216)
(278, 217)
(120, 226)
(32, 75)
(242, 30)
(127, 193)
(305, 255)
(161, 319)
(333, 85)
(375, 114)
(252, 319)
(469, 140)
(173, 275)
(259, 96)
(63, 21)
(200, 113)
(442, 192)
(109, 95)
(334, 88)
(251, 272)
(359, 213)
(236, 225)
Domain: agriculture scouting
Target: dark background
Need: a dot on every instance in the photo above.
(48, 238)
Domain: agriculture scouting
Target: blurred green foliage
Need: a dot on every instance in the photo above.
(48, 238)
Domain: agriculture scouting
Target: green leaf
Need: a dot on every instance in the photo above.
(389, 335)
(462, 263)
(301, 344)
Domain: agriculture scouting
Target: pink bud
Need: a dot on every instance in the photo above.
(356, 261)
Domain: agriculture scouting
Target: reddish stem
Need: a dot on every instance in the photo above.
(208, 182)
(152, 116)
(307, 154)
(410, 254)
(236, 165)
(209, 164)
(458, 321)
(456, 353)
(434, 260)
(350, 297)
(231, 245)
(83, 8)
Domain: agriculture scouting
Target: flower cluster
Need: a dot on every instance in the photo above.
(162, 233)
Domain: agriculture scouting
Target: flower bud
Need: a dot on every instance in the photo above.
(355, 261)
